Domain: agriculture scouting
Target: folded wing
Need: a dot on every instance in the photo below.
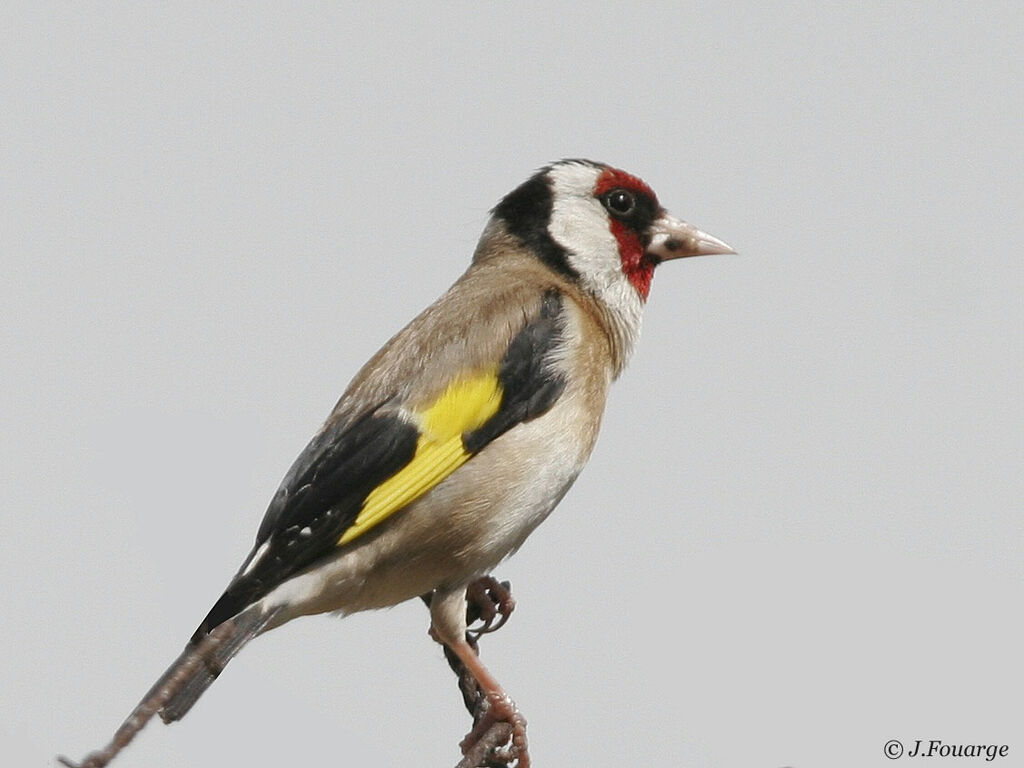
(358, 472)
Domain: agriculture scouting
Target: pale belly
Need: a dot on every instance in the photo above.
(462, 528)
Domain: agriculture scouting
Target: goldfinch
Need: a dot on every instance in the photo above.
(459, 436)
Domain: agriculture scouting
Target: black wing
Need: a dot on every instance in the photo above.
(318, 499)
(529, 384)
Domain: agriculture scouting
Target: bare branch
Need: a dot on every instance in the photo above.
(489, 602)
(168, 685)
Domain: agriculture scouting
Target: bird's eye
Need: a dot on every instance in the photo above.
(620, 202)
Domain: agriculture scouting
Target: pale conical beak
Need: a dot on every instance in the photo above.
(675, 239)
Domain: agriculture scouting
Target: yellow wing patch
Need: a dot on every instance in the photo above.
(464, 406)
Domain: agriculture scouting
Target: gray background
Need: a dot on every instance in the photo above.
(800, 534)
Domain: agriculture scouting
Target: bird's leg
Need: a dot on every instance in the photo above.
(494, 711)
(488, 599)
(500, 709)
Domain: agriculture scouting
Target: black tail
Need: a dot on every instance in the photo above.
(190, 685)
(185, 680)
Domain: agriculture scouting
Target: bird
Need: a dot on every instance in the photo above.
(458, 437)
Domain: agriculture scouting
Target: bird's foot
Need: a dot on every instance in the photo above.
(489, 601)
(511, 749)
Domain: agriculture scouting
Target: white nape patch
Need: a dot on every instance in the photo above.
(579, 223)
(257, 556)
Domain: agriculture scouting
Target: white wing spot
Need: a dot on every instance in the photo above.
(258, 556)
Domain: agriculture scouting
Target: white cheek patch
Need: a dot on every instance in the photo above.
(579, 223)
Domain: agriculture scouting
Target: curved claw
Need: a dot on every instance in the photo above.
(490, 601)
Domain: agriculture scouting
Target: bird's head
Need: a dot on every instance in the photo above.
(604, 229)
